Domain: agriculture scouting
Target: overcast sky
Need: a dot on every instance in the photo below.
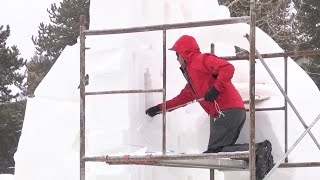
(24, 17)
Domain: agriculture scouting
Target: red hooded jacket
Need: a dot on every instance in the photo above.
(205, 71)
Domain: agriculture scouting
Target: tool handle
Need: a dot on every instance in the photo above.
(191, 102)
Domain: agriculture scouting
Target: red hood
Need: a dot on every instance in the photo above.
(186, 46)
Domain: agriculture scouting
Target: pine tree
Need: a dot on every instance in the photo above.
(274, 17)
(11, 121)
(307, 25)
(293, 24)
(54, 37)
(37, 67)
(10, 65)
(307, 28)
(11, 113)
(63, 30)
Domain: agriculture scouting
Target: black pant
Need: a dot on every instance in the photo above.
(225, 130)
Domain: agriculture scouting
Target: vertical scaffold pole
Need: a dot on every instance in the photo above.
(252, 156)
(164, 83)
(286, 106)
(82, 97)
(211, 118)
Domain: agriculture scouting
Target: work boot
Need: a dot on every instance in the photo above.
(264, 159)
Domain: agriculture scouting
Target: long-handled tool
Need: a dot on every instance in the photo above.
(191, 102)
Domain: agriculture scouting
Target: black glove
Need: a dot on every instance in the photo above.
(153, 111)
(211, 94)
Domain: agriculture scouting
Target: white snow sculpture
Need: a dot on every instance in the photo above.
(49, 144)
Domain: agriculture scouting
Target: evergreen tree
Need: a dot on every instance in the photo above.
(11, 120)
(10, 65)
(37, 67)
(54, 37)
(307, 24)
(293, 24)
(307, 28)
(274, 17)
(11, 113)
(63, 30)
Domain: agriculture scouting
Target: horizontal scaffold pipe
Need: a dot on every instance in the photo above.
(268, 109)
(275, 55)
(115, 158)
(233, 20)
(297, 165)
(303, 164)
(124, 91)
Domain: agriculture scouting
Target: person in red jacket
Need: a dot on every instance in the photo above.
(208, 77)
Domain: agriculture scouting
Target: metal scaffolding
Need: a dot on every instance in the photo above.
(221, 161)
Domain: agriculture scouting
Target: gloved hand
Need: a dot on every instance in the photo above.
(211, 94)
(153, 111)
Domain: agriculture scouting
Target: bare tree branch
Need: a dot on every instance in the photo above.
(312, 73)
